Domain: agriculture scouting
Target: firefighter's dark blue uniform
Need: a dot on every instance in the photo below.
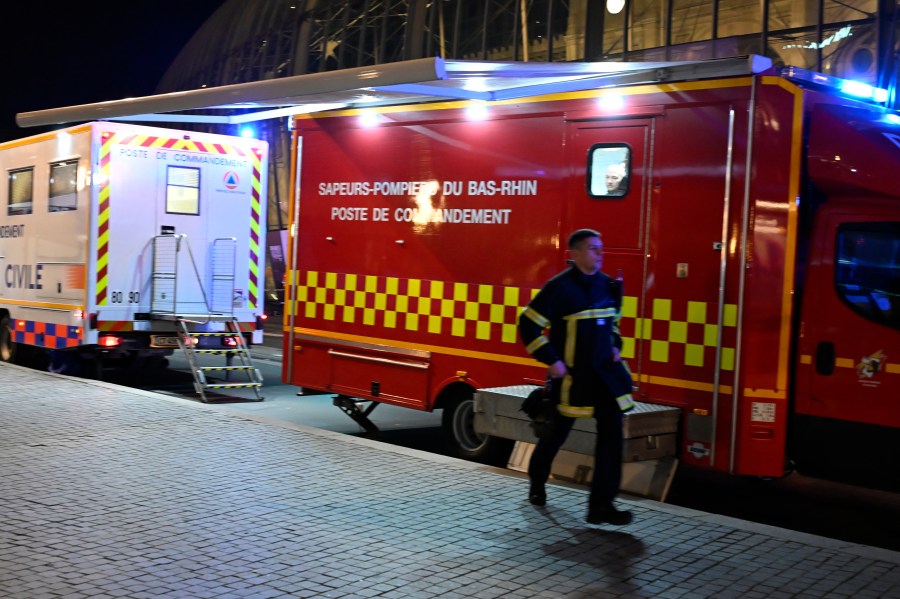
(582, 312)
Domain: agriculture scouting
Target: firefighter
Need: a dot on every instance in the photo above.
(588, 378)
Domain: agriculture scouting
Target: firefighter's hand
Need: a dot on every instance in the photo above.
(557, 370)
(617, 355)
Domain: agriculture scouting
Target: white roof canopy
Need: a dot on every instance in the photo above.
(413, 81)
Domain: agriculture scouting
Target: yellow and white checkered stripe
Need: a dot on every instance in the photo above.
(491, 313)
(694, 329)
(483, 312)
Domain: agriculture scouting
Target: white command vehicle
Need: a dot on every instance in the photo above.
(116, 239)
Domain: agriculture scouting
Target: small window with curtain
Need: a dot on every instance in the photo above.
(183, 190)
(867, 270)
(21, 188)
(63, 186)
(608, 170)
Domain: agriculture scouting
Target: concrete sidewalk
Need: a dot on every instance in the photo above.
(112, 492)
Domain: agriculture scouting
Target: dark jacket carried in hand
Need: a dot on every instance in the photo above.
(582, 313)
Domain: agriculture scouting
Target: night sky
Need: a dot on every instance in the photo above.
(70, 52)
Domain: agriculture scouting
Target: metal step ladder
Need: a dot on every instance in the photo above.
(253, 379)
(216, 306)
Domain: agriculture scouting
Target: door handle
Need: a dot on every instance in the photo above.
(825, 358)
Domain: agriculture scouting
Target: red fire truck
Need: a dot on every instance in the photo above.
(756, 229)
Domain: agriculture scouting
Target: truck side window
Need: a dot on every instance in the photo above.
(21, 184)
(182, 190)
(867, 270)
(608, 170)
(63, 184)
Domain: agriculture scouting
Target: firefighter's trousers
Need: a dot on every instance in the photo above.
(607, 474)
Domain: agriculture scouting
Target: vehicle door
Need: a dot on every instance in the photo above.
(607, 191)
(848, 392)
(663, 235)
(182, 211)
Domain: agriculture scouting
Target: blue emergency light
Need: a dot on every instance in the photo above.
(847, 87)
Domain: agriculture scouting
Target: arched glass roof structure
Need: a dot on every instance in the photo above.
(250, 41)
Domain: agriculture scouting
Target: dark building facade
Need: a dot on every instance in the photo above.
(263, 39)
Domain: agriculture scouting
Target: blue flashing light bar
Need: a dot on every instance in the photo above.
(847, 87)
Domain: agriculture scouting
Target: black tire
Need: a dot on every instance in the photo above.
(463, 442)
(8, 348)
(92, 367)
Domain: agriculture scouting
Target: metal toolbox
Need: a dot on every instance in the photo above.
(649, 430)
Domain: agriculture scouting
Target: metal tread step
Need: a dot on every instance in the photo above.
(216, 307)
(231, 385)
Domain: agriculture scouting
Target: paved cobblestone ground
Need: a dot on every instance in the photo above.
(108, 492)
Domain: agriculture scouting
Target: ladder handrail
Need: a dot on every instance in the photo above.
(229, 273)
(179, 238)
(164, 274)
(187, 244)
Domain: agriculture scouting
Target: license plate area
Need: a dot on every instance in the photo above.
(163, 341)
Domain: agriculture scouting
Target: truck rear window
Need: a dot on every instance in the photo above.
(608, 170)
(867, 270)
(183, 190)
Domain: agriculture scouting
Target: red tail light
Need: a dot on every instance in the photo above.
(108, 341)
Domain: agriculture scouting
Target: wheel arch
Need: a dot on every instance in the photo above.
(453, 390)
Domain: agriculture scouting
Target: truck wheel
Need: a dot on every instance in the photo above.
(7, 345)
(458, 422)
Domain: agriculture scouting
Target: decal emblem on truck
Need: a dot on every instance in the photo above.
(698, 450)
(870, 365)
(231, 180)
